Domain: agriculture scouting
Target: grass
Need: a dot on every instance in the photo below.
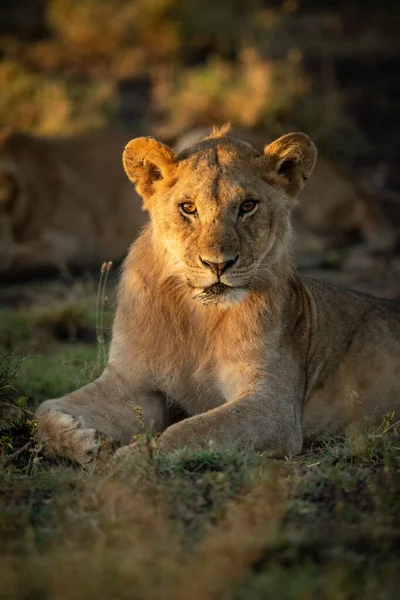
(208, 525)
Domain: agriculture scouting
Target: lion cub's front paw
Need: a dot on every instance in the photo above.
(125, 451)
(67, 436)
(186, 434)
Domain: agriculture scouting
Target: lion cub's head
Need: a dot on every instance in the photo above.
(221, 208)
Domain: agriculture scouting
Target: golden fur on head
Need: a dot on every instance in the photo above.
(213, 326)
(293, 155)
(218, 178)
(146, 161)
(64, 200)
(219, 131)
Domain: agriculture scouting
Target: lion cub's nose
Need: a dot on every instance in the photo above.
(219, 268)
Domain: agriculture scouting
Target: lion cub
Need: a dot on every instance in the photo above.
(212, 317)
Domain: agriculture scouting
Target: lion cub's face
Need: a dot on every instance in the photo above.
(221, 208)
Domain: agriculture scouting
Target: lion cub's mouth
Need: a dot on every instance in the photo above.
(217, 289)
(214, 292)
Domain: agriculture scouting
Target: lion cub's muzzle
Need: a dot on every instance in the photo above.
(218, 276)
(219, 268)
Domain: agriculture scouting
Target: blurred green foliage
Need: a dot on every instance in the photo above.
(252, 91)
(33, 101)
(76, 65)
(206, 61)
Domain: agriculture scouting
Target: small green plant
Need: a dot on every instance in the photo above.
(11, 410)
(17, 425)
(100, 305)
(389, 423)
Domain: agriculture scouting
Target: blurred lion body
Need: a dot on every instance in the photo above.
(64, 200)
(212, 318)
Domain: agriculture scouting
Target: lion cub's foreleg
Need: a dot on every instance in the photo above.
(267, 417)
(72, 426)
(242, 423)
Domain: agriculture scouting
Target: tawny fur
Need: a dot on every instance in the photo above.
(64, 200)
(253, 356)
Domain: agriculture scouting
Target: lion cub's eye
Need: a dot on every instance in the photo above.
(248, 206)
(189, 208)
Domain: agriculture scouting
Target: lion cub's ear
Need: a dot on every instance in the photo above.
(292, 157)
(146, 162)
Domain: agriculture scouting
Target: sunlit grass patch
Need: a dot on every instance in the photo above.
(40, 328)
(49, 376)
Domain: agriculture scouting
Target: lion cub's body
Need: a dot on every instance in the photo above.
(353, 359)
(213, 319)
(347, 345)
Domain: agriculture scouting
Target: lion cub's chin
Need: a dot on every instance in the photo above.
(219, 295)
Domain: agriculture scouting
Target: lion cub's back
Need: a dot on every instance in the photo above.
(353, 363)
